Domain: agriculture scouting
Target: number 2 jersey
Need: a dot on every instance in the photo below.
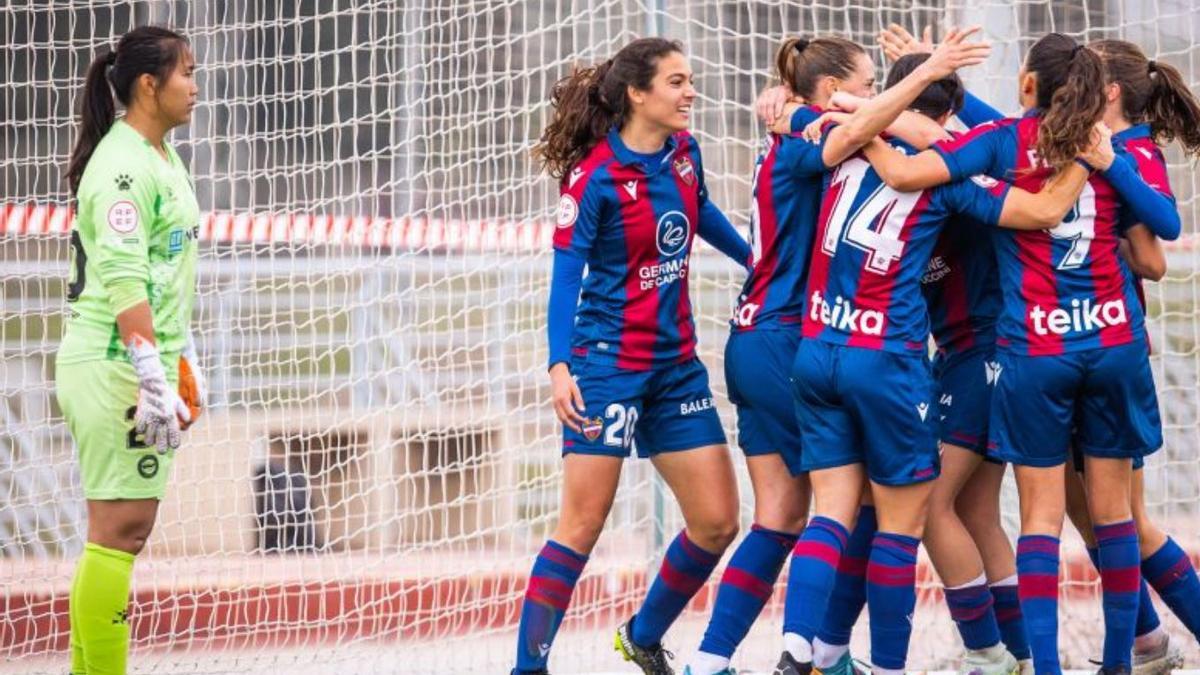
(1065, 289)
(634, 224)
(137, 222)
(872, 249)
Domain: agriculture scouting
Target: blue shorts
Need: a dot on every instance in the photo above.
(965, 381)
(647, 411)
(758, 364)
(866, 406)
(1101, 400)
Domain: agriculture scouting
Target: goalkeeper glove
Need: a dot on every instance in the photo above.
(159, 408)
(193, 390)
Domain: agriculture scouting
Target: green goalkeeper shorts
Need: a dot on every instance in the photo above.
(98, 400)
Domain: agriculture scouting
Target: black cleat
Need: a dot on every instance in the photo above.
(653, 660)
(790, 666)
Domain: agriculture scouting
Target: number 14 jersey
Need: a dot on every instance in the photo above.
(871, 250)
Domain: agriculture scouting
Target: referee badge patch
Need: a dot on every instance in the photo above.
(568, 211)
(123, 217)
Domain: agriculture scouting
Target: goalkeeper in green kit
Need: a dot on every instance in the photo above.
(125, 372)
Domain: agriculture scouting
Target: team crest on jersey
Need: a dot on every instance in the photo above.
(123, 217)
(568, 211)
(592, 428)
(672, 233)
(683, 167)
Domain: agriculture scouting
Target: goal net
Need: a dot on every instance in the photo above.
(379, 462)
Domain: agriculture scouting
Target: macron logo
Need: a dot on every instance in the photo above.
(631, 188)
(1082, 316)
(992, 369)
(842, 315)
(576, 174)
(922, 410)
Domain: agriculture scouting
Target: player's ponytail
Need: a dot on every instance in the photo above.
(801, 63)
(1070, 92)
(1153, 93)
(146, 49)
(590, 101)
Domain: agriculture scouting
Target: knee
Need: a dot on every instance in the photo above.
(782, 516)
(1106, 512)
(579, 532)
(714, 534)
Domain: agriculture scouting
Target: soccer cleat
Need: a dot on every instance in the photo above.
(1115, 670)
(652, 660)
(845, 666)
(687, 670)
(994, 660)
(790, 666)
(1160, 660)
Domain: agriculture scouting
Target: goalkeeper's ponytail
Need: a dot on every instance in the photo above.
(590, 101)
(143, 50)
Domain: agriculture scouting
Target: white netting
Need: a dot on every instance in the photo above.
(371, 318)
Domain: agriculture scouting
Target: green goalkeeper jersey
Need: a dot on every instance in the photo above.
(138, 220)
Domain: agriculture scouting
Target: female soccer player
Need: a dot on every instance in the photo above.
(130, 299)
(863, 391)
(765, 326)
(623, 367)
(1068, 332)
(1148, 104)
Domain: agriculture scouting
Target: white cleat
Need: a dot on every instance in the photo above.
(994, 660)
(1160, 660)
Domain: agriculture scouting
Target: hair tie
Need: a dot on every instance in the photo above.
(801, 45)
(110, 58)
(1151, 67)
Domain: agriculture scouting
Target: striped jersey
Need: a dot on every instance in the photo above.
(633, 224)
(872, 249)
(1064, 289)
(788, 178)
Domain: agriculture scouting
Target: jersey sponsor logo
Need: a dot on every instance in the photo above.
(696, 406)
(568, 211)
(922, 410)
(992, 370)
(124, 181)
(936, 270)
(123, 217)
(653, 276)
(147, 466)
(687, 172)
(175, 242)
(631, 188)
(592, 426)
(947, 400)
(672, 233)
(576, 174)
(1083, 316)
(843, 316)
(744, 314)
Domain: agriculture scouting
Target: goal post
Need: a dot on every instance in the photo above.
(379, 463)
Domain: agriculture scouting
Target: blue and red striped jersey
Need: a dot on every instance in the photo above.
(872, 249)
(633, 224)
(1137, 146)
(1064, 289)
(962, 286)
(788, 178)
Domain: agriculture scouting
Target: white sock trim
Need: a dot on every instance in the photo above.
(826, 655)
(1006, 581)
(798, 647)
(980, 580)
(704, 663)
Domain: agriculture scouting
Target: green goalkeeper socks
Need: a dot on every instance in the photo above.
(99, 600)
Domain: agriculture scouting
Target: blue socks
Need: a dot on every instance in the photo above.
(972, 608)
(1171, 573)
(1010, 619)
(746, 587)
(810, 577)
(891, 597)
(1037, 580)
(684, 570)
(1120, 580)
(849, 593)
(547, 596)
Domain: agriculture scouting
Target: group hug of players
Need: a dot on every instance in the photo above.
(1018, 246)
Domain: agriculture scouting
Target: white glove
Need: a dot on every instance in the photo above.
(158, 403)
